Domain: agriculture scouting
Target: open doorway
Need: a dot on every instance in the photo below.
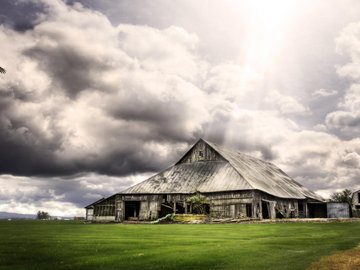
(180, 209)
(317, 210)
(248, 210)
(265, 209)
(132, 210)
(301, 210)
(166, 208)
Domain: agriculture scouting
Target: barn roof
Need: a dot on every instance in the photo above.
(98, 201)
(233, 171)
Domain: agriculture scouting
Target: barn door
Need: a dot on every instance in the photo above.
(265, 209)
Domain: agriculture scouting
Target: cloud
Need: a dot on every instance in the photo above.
(59, 196)
(20, 15)
(324, 93)
(286, 104)
(343, 120)
(170, 51)
(232, 82)
(80, 95)
(88, 107)
(347, 118)
(348, 44)
(320, 160)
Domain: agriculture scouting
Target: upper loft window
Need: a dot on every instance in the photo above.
(201, 154)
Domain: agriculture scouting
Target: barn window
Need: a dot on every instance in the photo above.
(359, 197)
(201, 154)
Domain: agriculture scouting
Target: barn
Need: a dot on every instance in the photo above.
(235, 185)
(356, 203)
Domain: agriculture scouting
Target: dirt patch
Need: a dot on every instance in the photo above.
(190, 218)
(345, 260)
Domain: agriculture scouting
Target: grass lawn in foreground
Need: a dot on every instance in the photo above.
(70, 245)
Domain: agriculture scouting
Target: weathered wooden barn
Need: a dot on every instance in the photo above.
(235, 185)
(356, 203)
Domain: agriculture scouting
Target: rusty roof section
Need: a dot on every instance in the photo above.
(236, 172)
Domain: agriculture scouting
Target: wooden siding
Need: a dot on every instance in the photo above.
(356, 204)
(234, 204)
(356, 198)
(103, 210)
(201, 151)
(338, 210)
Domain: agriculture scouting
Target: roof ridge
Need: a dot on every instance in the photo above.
(238, 152)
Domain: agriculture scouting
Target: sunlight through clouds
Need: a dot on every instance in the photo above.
(99, 95)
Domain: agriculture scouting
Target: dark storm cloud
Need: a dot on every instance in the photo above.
(23, 150)
(89, 107)
(67, 66)
(26, 153)
(20, 15)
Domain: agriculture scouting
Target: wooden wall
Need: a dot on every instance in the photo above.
(235, 204)
(356, 204)
(231, 204)
(201, 152)
(102, 211)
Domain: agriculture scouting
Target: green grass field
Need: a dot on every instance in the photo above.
(71, 245)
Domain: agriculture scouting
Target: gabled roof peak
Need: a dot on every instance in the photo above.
(197, 170)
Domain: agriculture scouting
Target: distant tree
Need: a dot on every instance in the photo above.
(344, 196)
(198, 203)
(2, 70)
(42, 215)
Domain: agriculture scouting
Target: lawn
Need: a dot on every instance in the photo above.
(70, 245)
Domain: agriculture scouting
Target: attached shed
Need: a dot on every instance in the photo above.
(338, 210)
(101, 210)
(236, 185)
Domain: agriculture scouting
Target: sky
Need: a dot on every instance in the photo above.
(99, 95)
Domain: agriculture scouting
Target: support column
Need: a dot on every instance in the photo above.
(174, 207)
(118, 209)
(306, 209)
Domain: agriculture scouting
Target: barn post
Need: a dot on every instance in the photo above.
(307, 215)
(185, 206)
(174, 207)
(118, 208)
